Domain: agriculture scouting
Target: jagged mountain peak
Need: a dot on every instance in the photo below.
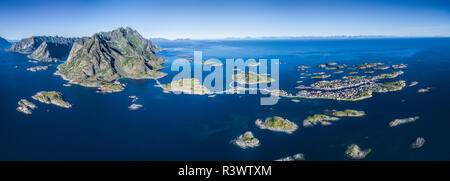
(108, 56)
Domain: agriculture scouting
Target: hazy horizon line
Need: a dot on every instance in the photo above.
(265, 37)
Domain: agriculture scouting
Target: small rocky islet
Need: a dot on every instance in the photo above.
(251, 78)
(37, 68)
(47, 97)
(296, 157)
(134, 106)
(355, 152)
(316, 119)
(277, 124)
(246, 140)
(418, 143)
(347, 113)
(52, 97)
(25, 106)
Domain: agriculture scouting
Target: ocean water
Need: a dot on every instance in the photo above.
(193, 127)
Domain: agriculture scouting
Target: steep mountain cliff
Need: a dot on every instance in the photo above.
(50, 52)
(4, 43)
(44, 48)
(107, 56)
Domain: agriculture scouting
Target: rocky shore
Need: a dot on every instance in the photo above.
(51, 97)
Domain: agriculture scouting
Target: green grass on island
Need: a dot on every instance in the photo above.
(251, 78)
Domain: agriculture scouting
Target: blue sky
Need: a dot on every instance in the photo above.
(207, 19)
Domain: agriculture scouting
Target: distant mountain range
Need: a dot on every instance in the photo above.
(44, 48)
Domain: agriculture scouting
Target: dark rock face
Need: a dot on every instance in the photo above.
(50, 52)
(108, 56)
(44, 48)
(4, 43)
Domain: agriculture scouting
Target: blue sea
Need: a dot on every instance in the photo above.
(194, 127)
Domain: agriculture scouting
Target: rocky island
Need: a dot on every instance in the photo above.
(397, 122)
(316, 119)
(277, 124)
(246, 140)
(347, 113)
(418, 143)
(424, 90)
(380, 68)
(37, 68)
(296, 157)
(354, 88)
(251, 78)
(353, 151)
(102, 59)
(51, 97)
(25, 106)
(303, 67)
(413, 83)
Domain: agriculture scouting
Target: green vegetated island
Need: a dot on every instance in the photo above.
(48, 97)
(102, 59)
(296, 157)
(52, 97)
(355, 152)
(277, 124)
(326, 120)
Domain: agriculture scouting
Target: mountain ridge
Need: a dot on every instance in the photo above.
(44, 48)
(105, 57)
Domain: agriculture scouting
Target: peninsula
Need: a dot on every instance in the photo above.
(296, 157)
(397, 122)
